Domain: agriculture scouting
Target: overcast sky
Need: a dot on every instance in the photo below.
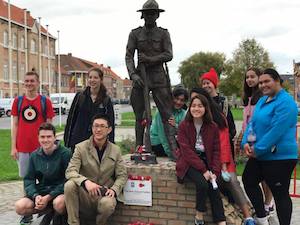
(97, 30)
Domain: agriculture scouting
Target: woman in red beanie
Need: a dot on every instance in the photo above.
(209, 81)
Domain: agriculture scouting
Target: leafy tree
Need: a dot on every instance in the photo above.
(249, 54)
(199, 63)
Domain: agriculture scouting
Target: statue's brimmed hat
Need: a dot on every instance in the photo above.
(150, 5)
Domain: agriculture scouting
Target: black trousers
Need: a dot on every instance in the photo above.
(203, 190)
(159, 150)
(276, 174)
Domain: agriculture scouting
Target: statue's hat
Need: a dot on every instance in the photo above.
(150, 5)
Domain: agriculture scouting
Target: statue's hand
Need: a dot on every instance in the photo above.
(137, 81)
(142, 58)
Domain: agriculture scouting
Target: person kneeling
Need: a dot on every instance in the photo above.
(45, 178)
(96, 176)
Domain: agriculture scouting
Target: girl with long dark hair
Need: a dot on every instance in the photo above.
(86, 104)
(228, 182)
(198, 158)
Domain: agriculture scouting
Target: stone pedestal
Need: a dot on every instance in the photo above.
(173, 203)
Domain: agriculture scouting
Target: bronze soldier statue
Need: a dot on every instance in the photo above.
(154, 49)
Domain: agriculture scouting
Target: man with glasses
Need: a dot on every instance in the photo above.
(96, 176)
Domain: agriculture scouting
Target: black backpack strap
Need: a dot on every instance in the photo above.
(44, 107)
(20, 101)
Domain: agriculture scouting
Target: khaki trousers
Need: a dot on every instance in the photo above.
(80, 205)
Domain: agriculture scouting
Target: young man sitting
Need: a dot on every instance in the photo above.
(45, 178)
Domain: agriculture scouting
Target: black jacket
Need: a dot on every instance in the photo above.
(79, 127)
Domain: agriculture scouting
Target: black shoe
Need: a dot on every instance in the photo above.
(47, 218)
(26, 220)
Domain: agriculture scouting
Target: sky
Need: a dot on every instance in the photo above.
(97, 30)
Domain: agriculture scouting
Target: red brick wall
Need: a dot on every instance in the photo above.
(172, 203)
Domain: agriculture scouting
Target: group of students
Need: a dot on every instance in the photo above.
(205, 135)
(206, 151)
(46, 165)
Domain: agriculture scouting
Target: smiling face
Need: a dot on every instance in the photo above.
(94, 80)
(100, 129)
(31, 83)
(47, 140)
(197, 109)
(178, 101)
(251, 78)
(209, 87)
(268, 85)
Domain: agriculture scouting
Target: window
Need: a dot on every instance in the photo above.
(5, 71)
(33, 46)
(53, 77)
(46, 50)
(46, 75)
(22, 43)
(22, 71)
(5, 38)
(15, 44)
(14, 71)
(51, 51)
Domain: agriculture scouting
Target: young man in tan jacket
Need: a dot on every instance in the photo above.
(96, 176)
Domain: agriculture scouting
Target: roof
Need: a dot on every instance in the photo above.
(71, 63)
(127, 82)
(17, 16)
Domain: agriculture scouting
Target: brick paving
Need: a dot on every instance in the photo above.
(12, 191)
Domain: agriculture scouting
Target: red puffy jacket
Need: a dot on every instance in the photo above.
(225, 150)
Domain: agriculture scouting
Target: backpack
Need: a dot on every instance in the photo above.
(43, 104)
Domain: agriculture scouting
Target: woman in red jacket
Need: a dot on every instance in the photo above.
(198, 158)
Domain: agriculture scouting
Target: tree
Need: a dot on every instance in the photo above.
(249, 54)
(199, 63)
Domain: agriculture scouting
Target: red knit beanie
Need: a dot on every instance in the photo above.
(212, 76)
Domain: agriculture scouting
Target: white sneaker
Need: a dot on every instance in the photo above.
(273, 220)
(262, 221)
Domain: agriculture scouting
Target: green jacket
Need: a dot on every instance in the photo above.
(157, 133)
(48, 170)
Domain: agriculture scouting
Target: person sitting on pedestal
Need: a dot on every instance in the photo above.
(96, 176)
(159, 142)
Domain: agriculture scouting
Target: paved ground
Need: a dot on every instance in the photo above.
(12, 191)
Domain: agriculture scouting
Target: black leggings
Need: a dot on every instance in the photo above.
(204, 189)
(276, 174)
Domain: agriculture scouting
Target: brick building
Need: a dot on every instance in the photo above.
(32, 47)
(74, 76)
(127, 86)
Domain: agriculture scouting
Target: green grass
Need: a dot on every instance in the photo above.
(237, 113)
(8, 166)
(128, 118)
(241, 166)
(60, 129)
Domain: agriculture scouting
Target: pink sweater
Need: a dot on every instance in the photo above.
(247, 114)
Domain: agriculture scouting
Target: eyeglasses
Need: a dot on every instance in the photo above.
(99, 126)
